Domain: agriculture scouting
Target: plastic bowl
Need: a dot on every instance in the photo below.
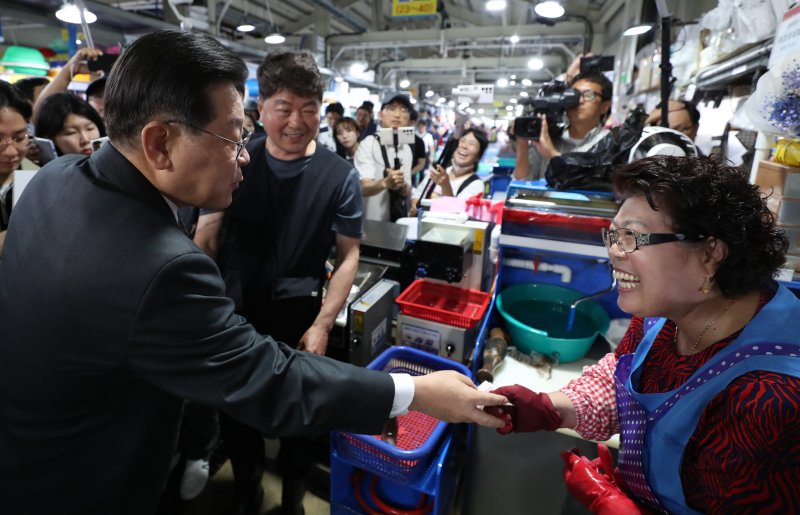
(536, 317)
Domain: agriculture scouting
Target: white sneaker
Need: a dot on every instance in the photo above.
(195, 477)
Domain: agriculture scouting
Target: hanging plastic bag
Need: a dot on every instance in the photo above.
(591, 170)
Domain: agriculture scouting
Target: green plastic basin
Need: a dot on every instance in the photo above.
(536, 317)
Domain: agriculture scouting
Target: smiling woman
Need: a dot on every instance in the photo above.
(71, 123)
(708, 368)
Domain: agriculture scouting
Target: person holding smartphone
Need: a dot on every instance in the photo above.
(460, 179)
(71, 124)
(15, 112)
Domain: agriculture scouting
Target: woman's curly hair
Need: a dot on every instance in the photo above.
(704, 196)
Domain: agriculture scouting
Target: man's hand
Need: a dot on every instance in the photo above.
(530, 412)
(394, 179)
(452, 397)
(77, 62)
(314, 340)
(544, 146)
(440, 177)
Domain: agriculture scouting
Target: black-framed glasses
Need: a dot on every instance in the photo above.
(239, 144)
(629, 241)
(590, 95)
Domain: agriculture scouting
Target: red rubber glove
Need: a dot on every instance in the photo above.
(531, 411)
(592, 483)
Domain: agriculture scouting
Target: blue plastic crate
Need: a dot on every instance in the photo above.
(418, 434)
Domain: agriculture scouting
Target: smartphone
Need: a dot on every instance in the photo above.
(102, 63)
(405, 136)
(597, 63)
(47, 150)
(97, 143)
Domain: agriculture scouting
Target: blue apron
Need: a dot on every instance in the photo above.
(654, 428)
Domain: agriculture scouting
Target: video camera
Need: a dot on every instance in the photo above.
(553, 99)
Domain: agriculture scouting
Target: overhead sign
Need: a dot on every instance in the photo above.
(474, 93)
(413, 8)
(787, 37)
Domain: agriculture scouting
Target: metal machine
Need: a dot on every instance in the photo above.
(455, 250)
(363, 328)
(442, 339)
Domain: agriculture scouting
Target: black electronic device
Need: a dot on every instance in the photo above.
(553, 99)
(101, 63)
(597, 63)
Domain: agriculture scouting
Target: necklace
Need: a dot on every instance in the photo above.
(706, 328)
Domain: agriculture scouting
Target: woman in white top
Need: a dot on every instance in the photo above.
(460, 179)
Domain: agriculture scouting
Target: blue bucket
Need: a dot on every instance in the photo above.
(536, 316)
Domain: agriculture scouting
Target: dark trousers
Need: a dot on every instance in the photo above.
(199, 431)
(286, 321)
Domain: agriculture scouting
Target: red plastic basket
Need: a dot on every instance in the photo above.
(444, 304)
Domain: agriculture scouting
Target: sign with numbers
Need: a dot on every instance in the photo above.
(413, 8)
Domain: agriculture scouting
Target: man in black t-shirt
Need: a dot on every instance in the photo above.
(297, 200)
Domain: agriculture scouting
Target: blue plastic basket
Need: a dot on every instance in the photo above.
(418, 434)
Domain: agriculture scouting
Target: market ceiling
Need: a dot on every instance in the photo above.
(462, 43)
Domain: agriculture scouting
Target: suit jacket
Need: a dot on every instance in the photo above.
(111, 316)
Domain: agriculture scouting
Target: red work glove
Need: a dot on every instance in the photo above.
(592, 483)
(531, 411)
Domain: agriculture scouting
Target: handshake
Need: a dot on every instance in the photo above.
(527, 412)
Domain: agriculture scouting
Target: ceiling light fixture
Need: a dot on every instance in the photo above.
(275, 38)
(514, 39)
(549, 9)
(502, 82)
(495, 5)
(527, 82)
(535, 63)
(69, 13)
(429, 93)
(405, 83)
(338, 78)
(246, 27)
(357, 68)
(637, 30)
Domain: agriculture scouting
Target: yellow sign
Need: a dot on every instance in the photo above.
(411, 8)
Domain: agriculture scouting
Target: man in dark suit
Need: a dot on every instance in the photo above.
(111, 315)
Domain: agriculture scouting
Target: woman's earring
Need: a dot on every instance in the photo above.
(706, 289)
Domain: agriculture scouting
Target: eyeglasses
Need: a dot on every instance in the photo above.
(19, 142)
(239, 144)
(590, 95)
(629, 241)
(393, 108)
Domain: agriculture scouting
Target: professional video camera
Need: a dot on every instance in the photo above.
(553, 99)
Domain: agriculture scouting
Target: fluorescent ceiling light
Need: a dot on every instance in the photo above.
(338, 78)
(452, 103)
(514, 39)
(549, 9)
(513, 100)
(535, 63)
(412, 100)
(69, 14)
(357, 68)
(523, 93)
(429, 93)
(495, 5)
(509, 108)
(405, 83)
(527, 82)
(639, 29)
(502, 82)
(480, 110)
(246, 27)
(274, 39)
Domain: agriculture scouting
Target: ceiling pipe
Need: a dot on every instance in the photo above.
(342, 15)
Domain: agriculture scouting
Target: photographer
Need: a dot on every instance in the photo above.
(585, 127)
